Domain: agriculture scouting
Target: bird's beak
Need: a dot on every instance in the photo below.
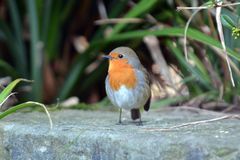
(107, 57)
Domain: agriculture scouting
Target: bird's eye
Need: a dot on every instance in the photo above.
(120, 56)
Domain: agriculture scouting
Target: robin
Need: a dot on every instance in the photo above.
(127, 83)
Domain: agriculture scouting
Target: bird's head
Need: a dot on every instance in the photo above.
(122, 57)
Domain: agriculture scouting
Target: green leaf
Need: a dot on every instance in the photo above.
(45, 19)
(8, 69)
(26, 105)
(139, 9)
(117, 9)
(91, 78)
(67, 9)
(209, 4)
(227, 21)
(55, 24)
(36, 51)
(231, 16)
(82, 61)
(76, 71)
(171, 32)
(200, 66)
(8, 37)
(19, 44)
(194, 71)
(7, 91)
(114, 12)
(168, 101)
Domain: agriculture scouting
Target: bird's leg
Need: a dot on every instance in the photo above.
(120, 116)
(140, 122)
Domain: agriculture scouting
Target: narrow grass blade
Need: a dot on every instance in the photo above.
(114, 12)
(227, 21)
(83, 60)
(26, 105)
(194, 71)
(11, 94)
(47, 6)
(91, 78)
(36, 51)
(200, 66)
(17, 27)
(8, 69)
(74, 75)
(171, 32)
(142, 7)
(8, 37)
(55, 23)
(67, 9)
(78, 67)
(9, 88)
(169, 101)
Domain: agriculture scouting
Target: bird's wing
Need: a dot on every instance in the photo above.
(147, 104)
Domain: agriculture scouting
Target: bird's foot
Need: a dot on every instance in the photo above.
(119, 123)
(140, 123)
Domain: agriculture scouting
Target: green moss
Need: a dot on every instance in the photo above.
(222, 152)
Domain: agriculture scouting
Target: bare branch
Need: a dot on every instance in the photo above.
(229, 4)
(185, 33)
(194, 123)
(220, 32)
(198, 8)
(102, 9)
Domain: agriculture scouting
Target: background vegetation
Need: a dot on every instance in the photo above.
(58, 44)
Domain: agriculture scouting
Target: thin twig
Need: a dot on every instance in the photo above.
(218, 6)
(201, 7)
(206, 7)
(229, 4)
(11, 94)
(102, 9)
(194, 123)
(45, 109)
(185, 33)
(220, 32)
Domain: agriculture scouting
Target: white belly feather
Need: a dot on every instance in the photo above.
(124, 98)
(129, 98)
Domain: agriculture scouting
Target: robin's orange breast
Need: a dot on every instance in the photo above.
(121, 73)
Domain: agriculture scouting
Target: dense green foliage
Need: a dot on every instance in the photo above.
(39, 35)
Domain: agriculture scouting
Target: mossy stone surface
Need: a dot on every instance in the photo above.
(95, 135)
